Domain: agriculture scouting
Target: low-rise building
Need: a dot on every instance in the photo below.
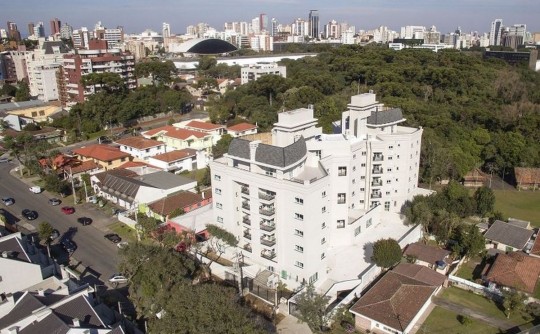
(177, 138)
(140, 147)
(242, 129)
(108, 157)
(180, 160)
(254, 72)
(514, 270)
(429, 256)
(527, 178)
(176, 204)
(507, 237)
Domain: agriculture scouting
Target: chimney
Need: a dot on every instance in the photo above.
(76, 322)
(13, 330)
(10, 298)
(63, 272)
(253, 148)
(203, 195)
(41, 292)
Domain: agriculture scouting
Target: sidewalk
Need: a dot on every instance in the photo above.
(290, 324)
(460, 309)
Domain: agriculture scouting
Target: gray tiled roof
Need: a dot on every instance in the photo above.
(508, 234)
(14, 246)
(50, 324)
(269, 154)
(48, 47)
(22, 104)
(121, 185)
(81, 309)
(385, 117)
(24, 306)
(163, 180)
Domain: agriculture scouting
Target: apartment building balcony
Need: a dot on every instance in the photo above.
(245, 190)
(378, 157)
(376, 195)
(267, 226)
(247, 235)
(377, 170)
(245, 205)
(246, 220)
(270, 255)
(266, 196)
(247, 247)
(268, 241)
(267, 211)
(376, 183)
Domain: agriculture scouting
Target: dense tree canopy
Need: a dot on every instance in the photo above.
(386, 253)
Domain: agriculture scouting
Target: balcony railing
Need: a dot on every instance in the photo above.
(270, 255)
(378, 157)
(246, 220)
(377, 183)
(266, 196)
(376, 195)
(247, 235)
(267, 212)
(245, 190)
(268, 241)
(247, 247)
(245, 205)
(377, 170)
(267, 226)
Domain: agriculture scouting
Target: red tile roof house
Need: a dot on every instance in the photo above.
(429, 256)
(108, 157)
(140, 147)
(180, 160)
(177, 138)
(398, 300)
(527, 178)
(242, 129)
(514, 270)
(187, 201)
(214, 129)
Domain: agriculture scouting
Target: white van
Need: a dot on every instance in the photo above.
(35, 189)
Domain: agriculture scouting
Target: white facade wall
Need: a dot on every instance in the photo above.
(197, 162)
(143, 154)
(18, 275)
(253, 73)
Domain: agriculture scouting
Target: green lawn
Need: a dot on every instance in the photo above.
(466, 270)
(443, 321)
(480, 304)
(124, 231)
(519, 204)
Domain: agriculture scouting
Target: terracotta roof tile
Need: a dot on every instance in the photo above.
(394, 300)
(527, 175)
(241, 127)
(138, 142)
(180, 200)
(420, 273)
(516, 270)
(204, 125)
(131, 164)
(171, 131)
(176, 155)
(83, 167)
(101, 152)
(426, 253)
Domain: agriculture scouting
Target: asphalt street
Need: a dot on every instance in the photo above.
(93, 250)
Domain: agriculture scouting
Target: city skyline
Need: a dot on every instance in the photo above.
(366, 15)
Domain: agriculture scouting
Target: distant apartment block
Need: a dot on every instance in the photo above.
(254, 72)
(290, 203)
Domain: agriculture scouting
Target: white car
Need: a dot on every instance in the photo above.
(117, 278)
(122, 244)
(35, 189)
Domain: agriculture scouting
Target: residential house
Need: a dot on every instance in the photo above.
(514, 270)
(215, 130)
(177, 138)
(22, 263)
(475, 178)
(194, 221)
(429, 256)
(37, 111)
(527, 178)
(186, 159)
(184, 200)
(507, 237)
(242, 129)
(139, 167)
(129, 190)
(398, 300)
(48, 134)
(108, 157)
(140, 147)
(77, 169)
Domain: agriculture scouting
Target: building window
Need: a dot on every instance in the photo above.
(361, 201)
(342, 171)
(354, 156)
(299, 233)
(341, 223)
(362, 189)
(354, 168)
(363, 165)
(299, 264)
(269, 172)
(299, 216)
(386, 206)
(353, 181)
(314, 277)
(219, 205)
(218, 191)
(357, 230)
(323, 194)
(318, 154)
(368, 223)
(342, 198)
(389, 169)
(299, 248)
(220, 219)
(388, 181)
(387, 193)
(299, 200)
(353, 193)
(323, 225)
(323, 241)
(217, 177)
(323, 210)
(390, 147)
(390, 158)
(363, 153)
(362, 177)
(323, 256)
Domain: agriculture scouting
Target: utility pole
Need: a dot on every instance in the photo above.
(85, 191)
(73, 186)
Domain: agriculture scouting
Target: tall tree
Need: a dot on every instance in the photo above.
(222, 146)
(311, 308)
(23, 91)
(485, 201)
(386, 253)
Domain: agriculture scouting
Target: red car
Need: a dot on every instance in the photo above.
(68, 210)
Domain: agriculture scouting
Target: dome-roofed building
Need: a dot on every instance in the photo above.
(206, 46)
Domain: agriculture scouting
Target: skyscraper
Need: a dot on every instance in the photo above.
(31, 26)
(263, 22)
(313, 23)
(495, 33)
(12, 31)
(274, 27)
(55, 26)
(66, 31)
(166, 34)
(39, 30)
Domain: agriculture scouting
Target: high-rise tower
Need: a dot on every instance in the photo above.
(495, 33)
(314, 23)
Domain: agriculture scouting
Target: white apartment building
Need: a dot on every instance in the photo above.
(254, 72)
(292, 203)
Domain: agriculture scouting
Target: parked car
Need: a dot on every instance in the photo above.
(2, 160)
(8, 201)
(35, 189)
(122, 244)
(84, 221)
(113, 237)
(29, 214)
(54, 201)
(117, 278)
(69, 246)
(68, 210)
(54, 234)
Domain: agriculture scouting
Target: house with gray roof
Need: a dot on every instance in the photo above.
(507, 237)
(129, 190)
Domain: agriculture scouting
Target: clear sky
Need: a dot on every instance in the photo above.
(137, 15)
